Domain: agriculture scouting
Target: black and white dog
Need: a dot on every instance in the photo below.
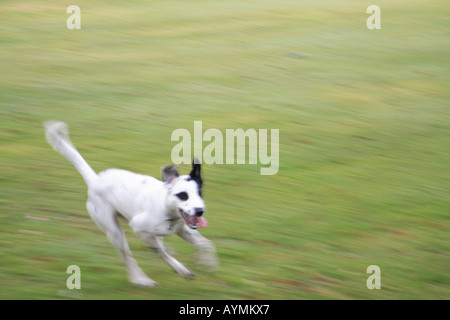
(152, 208)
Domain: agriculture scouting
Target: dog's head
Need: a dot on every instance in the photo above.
(185, 193)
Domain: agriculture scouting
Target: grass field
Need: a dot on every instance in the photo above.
(364, 143)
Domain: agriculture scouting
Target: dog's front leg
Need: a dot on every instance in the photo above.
(140, 227)
(207, 252)
(157, 243)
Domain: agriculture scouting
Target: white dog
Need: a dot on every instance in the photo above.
(152, 208)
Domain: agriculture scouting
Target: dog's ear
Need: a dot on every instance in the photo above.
(195, 172)
(169, 173)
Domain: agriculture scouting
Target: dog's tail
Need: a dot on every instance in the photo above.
(57, 134)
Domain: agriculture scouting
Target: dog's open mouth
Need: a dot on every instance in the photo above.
(193, 222)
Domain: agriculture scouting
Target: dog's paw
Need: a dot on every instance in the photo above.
(144, 282)
(208, 261)
(185, 272)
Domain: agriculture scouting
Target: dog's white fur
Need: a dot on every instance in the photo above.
(150, 206)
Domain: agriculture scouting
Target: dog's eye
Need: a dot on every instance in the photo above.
(182, 196)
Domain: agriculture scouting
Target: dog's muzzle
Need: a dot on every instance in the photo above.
(196, 221)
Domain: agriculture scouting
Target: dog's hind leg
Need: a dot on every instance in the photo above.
(158, 245)
(106, 219)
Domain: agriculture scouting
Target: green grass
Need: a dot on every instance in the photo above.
(364, 135)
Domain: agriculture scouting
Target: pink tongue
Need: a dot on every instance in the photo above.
(201, 222)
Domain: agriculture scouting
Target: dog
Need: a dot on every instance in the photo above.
(152, 208)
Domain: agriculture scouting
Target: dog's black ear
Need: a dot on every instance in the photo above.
(169, 173)
(195, 172)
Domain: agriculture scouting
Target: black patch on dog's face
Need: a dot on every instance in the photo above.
(183, 196)
(199, 186)
(195, 175)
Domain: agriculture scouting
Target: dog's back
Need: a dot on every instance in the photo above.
(123, 188)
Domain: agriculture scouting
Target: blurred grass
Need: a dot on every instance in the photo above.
(364, 132)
